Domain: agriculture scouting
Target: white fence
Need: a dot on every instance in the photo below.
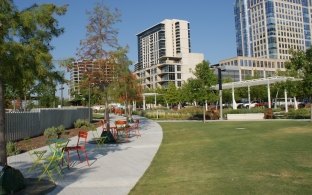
(20, 125)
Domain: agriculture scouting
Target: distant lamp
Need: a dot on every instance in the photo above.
(220, 69)
(62, 98)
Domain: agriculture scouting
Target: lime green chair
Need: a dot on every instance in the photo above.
(98, 138)
(37, 158)
(53, 163)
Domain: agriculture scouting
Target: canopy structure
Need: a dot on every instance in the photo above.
(255, 82)
(149, 94)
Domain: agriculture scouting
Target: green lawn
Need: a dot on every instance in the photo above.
(269, 157)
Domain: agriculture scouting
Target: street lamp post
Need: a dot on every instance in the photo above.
(220, 69)
(89, 109)
(220, 92)
(62, 98)
(89, 72)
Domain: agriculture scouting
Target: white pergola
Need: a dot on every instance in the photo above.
(150, 94)
(255, 82)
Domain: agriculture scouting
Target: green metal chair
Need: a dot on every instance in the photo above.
(98, 138)
(53, 163)
(37, 158)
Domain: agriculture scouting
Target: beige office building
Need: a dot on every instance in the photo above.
(164, 54)
(243, 68)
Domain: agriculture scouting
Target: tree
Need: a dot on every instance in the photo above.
(101, 35)
(151, 99)
(172, 94)
(200, 88)
(25, 38)
(126, 89)
(191, 91)
(300, 65)
(160, 96)
(46, 94)
(100, 45)
(227, 93)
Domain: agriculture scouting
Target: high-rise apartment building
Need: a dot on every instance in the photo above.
(77, 73)
(84, 68)
(270, 28)
(164, 54)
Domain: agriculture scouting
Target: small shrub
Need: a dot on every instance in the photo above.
(302, 113)
(54, 132)
(137, 112)
(81, 123)
(84, 124)
(60, 129)
(182, 114)
(50, 132)
(90, 127)
(12, 149)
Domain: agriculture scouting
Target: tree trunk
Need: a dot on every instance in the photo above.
(311, 111)
(25, 105)
(130, 111)
(107, 113)
(126, 111)
(3, 154)
(204, 114)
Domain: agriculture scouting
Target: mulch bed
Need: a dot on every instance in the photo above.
(40, 141)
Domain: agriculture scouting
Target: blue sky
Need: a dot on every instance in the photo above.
(211, 22)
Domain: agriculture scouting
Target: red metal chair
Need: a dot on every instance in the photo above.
(80, 146)
(135, 127)
(121, 126)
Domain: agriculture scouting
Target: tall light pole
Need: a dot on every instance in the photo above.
(62, 98)
(220, 69)
(89, 72)
(220, 92)
(89, 109)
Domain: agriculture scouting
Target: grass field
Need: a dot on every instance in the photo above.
(269, 157)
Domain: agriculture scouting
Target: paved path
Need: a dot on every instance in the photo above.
(115, 168)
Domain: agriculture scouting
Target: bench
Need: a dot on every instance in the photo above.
(248, 116)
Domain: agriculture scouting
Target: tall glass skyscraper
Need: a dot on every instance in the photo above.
(270, 28)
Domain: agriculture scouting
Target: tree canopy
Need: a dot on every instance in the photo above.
(25, 38)
(112, 76)
(300, 65)
(199, 88)
(101, 35)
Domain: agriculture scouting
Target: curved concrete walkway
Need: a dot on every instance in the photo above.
(115, 168)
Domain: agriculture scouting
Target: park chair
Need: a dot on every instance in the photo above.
(122, 127)
(80, 146)
(37, 158)
(97, 137)
(135, 127)
(53, 162)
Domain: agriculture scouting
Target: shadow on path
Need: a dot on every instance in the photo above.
(34, 187)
